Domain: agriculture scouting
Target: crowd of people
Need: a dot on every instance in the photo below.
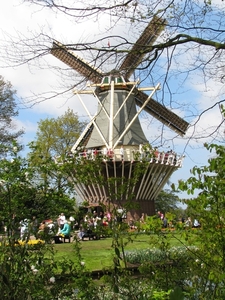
(187, 223)
(26, 228)
(90, 222)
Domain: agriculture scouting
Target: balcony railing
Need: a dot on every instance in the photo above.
(154, 156)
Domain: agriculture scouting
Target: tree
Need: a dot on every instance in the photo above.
(55, 138)
(23, 192)
(7, 112)
(16, 189)
(209, 208)
(31, 262)
(167, 201)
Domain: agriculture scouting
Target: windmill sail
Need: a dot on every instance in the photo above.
(76, 63)
(137, 53)
(161, 113)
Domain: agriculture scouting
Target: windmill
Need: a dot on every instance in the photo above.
(117, 124)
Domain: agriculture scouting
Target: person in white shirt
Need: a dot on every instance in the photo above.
(23, 228)
(62, 220)
(196, 224)
(141, 151)
(122, 153)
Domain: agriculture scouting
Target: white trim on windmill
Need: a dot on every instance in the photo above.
(93, 120)
(137, 114)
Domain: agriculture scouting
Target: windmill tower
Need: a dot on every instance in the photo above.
(116, 124)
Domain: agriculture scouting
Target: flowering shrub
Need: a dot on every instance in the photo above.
(31, 242)
(157, 255)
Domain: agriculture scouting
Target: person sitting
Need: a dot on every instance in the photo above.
(196, 224)
(81, 233)
(132, 224)
(142, 218)
(41, 230)
(188, 223)
(66, 229)
(63, 233)
(50, 227)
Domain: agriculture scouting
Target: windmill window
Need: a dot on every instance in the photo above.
(106, 80)
(119, 80)
(109, 79)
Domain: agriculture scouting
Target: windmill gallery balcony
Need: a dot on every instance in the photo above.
(131, 154)
(119, 166)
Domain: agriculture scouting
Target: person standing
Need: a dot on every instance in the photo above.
(160, 215)
(142, 218)
(35, 225)
(24, 229)
(122, 153)
(141, 151)
(62, 220)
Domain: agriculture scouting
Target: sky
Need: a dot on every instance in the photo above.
(29, 80)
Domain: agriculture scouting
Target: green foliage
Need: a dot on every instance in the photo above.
(7, 113)
(50, 155)
(23, 273)
(16, 190)
(24, 194)
(28, 272)
(209, 207)
(166, 272)
(56, 136)
(167, 201)
(151, 225)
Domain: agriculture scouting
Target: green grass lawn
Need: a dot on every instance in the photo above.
(97, 254)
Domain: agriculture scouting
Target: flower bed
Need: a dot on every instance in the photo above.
(157, 255)
(31, 242)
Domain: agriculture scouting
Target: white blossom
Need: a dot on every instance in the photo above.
(52, 279)
(35, 271)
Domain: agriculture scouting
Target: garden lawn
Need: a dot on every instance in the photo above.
(98, 254)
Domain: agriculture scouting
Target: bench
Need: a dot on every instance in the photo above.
(66, 238)
(62, 239)
(90, 235)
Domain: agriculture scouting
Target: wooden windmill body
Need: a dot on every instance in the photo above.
(117, 124)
